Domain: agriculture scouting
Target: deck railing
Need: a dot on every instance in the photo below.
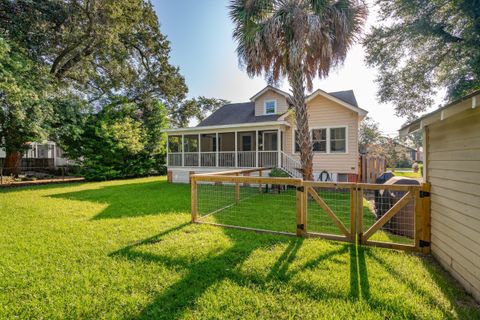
(225, 159)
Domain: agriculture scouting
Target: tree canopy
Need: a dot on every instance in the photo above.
(298, 40)
(100, 47)
(423, 46)
(24, 101)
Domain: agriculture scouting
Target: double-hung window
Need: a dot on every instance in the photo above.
(319, 140)
(270, 107)
(338, 140)
(326, 140)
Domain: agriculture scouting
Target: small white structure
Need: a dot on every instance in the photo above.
(44, 150)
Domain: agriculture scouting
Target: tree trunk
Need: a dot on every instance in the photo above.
(12, 163)
(296, 79)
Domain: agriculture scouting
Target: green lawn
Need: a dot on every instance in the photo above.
(126, 249)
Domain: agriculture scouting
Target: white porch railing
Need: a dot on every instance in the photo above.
(226, 159)
(246, 159)
(175, 159)
(268, 158)
(208, 159)
(291, 165)
(190, 159)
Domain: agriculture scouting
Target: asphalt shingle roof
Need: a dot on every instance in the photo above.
(236, 113)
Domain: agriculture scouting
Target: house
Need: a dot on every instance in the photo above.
(451, 138)
(261, 133)
(42, 154)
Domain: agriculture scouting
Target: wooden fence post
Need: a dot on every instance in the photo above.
(300, 212)
(237, 191)
(359, 214)
(194, 199)
(422, 218)
(353, 215)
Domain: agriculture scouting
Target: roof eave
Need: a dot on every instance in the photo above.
(471, 101)
(360, 111)
(227, 126)
(269, 87)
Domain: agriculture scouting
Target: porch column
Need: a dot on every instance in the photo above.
(168, 151)
(183, 150)
(216, 145)
(236, 150)
(256, 148)
(199, 151)
(279, 138)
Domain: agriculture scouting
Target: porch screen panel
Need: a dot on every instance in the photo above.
(226, 148)
(190, 145)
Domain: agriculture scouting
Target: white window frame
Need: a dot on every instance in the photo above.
(328, 139)
(265, 107)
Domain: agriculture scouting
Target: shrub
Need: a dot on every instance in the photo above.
(278, 173)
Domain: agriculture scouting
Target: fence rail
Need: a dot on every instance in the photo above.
(391, 216)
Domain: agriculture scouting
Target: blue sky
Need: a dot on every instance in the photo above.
(200, 32)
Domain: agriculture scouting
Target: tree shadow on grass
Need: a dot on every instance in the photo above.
(135, 199)
(205, 273)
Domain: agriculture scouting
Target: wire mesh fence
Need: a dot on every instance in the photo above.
(264, 206)
(329, 210)
(389, 215)
(373, 214)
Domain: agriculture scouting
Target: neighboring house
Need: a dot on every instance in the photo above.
(42, 150)
(451, 138)
(261, 133)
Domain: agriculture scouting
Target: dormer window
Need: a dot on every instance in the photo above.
(270, 107)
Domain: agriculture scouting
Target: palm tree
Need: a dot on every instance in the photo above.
(297, 39)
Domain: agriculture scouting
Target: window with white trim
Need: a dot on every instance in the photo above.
(270, 107)
(319, 140)
(338, 140)
(325, 140)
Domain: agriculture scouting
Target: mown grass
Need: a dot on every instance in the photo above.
(126, 249)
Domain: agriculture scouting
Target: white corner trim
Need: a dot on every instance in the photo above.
(475, 102)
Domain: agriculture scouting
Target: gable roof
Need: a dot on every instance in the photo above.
(235, 113)
(344, 98)
(269, 87)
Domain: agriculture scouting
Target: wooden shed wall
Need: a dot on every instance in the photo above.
(453, 164)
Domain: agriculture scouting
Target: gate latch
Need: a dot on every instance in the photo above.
(301, 189)
(300, 226)
(424, 194)
(423, 243)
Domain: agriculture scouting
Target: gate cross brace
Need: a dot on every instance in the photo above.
(329, 211)
(388, 215)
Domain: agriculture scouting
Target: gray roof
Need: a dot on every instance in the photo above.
(347, 96)
(235, 113)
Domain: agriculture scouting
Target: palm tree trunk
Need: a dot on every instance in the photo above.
(296, 79)
(12, 163)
